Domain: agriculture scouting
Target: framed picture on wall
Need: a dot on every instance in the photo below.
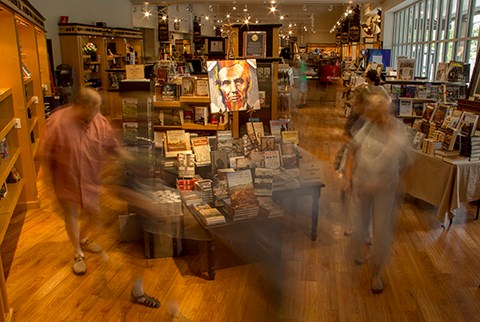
(216, 46)
(254, 44)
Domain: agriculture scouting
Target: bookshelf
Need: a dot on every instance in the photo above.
(187, 103)
(421, 92)
(106, 68)
(22, 114)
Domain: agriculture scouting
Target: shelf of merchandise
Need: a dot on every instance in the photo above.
(167, 104)
(23, 44)
(111, 58)
(184, 102)
(195, 99)
(28, 36)
(160, 128)
(208, 127)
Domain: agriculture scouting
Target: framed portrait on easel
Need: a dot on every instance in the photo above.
(233, 85)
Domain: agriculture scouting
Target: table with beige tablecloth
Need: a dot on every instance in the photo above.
(442, 184)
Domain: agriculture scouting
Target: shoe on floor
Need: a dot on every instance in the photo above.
(79, 267)
(377, 285)
(146, 300)
(92, 247)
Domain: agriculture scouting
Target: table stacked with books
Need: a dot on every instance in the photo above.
(229, 183)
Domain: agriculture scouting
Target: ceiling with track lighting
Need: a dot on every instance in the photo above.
(285, 12)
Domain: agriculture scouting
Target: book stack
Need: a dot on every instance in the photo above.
(201, 148)
(243, 202)
(224, 140)
(191, 198)
(450, 138)
(186, 184)
(186, 165)
(432, 130)
(269, 207)
(168, 202)
(176, 141)
(441, 154)
(209, 216)
(263, 182)
(237, 214)
(428, 146)
(220, 188)
(470, 147)
(204, 187)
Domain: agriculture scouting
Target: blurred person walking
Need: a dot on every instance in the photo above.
(353, 124)
(73, 149)
(301, 83)
(76, 142)
(377, 157)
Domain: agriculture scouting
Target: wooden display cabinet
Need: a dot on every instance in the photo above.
(106, 68)
(121, 52)
(88, 67)
(22, 114)
(28, 35)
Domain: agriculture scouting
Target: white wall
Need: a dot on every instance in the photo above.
(115, 13)
(323, 24)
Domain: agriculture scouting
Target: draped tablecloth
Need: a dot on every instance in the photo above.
(442, 184)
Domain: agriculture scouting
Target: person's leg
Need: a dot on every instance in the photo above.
(361, 209)
(89, 225)
(138, 294)
(383, 220)
(71, 227)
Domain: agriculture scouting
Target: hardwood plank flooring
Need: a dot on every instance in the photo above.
(432, 274)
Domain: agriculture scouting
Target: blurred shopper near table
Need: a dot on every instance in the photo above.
(377, 157)
(76, 142)
(73, 149)
(300, 84)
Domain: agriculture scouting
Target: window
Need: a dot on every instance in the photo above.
(433, 31)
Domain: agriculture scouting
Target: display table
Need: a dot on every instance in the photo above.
(442, 184)
(272, 226)
(269, 227)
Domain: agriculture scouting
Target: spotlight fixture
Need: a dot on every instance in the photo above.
(273, 9)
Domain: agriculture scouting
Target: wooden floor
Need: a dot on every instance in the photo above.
(433, 274)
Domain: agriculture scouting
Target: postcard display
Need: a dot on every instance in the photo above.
(440, 129)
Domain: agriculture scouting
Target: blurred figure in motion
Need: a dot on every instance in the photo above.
(75, 144)
(353, 124)
(300, 84)
(377, 156)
